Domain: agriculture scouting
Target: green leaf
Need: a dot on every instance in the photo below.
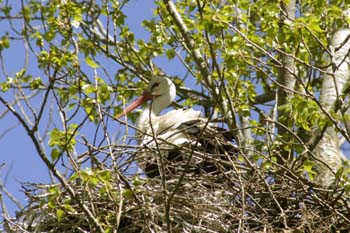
(4, 42)
(308, 168)
(170, 53)
(49, 36)
(136, 182)
(60, 214)
(74, 176)
(51, 204)
(347, 188)
(36, 83)
(103, 92)
(91, 62)
(88, 89)
(20, 73)
(55, 153)
(339, 173)
(128, 193)
(89, 106)
(68, 207)
(55, 137)
(6, 9)
(63, 140)
(6, 85)
(105, 175)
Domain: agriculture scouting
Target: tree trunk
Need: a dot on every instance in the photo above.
(328, 149)
(286, 75)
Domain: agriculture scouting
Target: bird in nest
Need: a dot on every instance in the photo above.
(179, 140)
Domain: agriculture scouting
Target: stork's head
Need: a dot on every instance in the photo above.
(161, 90)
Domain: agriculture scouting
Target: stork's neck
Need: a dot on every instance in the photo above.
(145, 117)
(148, 111)
(153, 109)
(159, 103)
(151, 112)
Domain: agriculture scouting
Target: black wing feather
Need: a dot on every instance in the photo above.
(215, 144)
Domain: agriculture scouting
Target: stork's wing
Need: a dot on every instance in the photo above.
(194, 145)
(211, 139)
(215, 144)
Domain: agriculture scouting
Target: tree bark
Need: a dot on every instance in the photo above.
(286, 75)
(328, 149)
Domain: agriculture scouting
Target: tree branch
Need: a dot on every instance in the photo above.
(201, 64)
(47, 162)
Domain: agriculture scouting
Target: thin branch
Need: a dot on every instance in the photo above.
(200, 62)
(44, 158)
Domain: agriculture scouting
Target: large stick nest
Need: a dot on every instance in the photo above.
(237, 197)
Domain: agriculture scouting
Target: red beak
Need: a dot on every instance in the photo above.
(139, 101)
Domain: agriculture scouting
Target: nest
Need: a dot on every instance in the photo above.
(237, 197)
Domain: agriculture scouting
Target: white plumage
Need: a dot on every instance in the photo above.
(174, 130)
(162, 92)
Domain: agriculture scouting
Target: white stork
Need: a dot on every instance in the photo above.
(176, 129)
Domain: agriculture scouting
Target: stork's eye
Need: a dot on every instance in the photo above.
(154, 85)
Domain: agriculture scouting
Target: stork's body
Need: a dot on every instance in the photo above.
(175, 132)
(166, 126)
